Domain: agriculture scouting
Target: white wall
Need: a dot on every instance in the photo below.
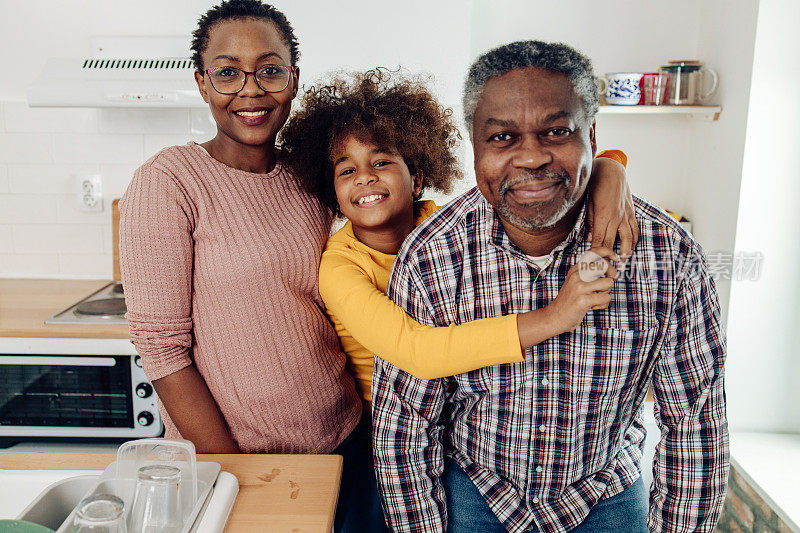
(764, 361)
(725, 41)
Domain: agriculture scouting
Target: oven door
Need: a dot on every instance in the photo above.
(76, 396)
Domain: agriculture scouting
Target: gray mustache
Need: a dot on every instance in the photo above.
(531, 176)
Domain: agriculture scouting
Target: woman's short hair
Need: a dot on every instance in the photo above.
(238, 10)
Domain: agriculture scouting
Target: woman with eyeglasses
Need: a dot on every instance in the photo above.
(219, 249)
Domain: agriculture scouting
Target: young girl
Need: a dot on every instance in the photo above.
(367, 148)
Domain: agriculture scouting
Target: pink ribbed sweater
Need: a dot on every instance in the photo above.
(220, 269)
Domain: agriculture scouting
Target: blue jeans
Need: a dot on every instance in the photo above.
(359, 507)
(468, 512)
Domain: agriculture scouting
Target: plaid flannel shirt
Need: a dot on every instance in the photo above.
(545, 439)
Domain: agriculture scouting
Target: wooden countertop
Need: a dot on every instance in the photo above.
(277, 493)
(26, 303)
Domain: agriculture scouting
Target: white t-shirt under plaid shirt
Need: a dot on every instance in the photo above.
(545, 439)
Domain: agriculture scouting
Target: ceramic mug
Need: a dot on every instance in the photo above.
(622, 88)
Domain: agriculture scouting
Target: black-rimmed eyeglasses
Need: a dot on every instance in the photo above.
(231, 80)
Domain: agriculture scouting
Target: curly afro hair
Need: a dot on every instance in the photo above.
(380, 107)
(238, 10)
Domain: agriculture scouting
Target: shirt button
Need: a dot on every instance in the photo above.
(545, 381)
(539, 468)
(535, 499)
(542, 427)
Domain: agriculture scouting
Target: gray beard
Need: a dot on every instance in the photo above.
(537, 223)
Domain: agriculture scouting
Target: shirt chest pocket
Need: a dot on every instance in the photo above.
(606, 364)
(488, 387)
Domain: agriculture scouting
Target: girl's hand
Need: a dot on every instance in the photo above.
(610, 210)
(577, 296)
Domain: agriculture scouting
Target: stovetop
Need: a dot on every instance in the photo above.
(104, 306)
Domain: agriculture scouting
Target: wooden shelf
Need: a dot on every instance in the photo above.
(705, 112)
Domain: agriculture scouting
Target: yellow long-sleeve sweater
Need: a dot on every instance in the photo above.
(352, 283)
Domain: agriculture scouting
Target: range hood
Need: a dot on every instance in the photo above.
(133, 72)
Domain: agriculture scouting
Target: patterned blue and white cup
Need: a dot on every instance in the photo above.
(622, 88)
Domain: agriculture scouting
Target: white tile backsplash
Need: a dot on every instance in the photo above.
(146, 121)
(86, 264)
(42, 232)
(3, 178)
(67, 211)
(18, 117)
(26, 148)
(27, 209)
(108, 239)
(201, 124)
(6, 241)
(97, 148)
(46, 179)
(46, 238)
(29, 265)
(115, 180)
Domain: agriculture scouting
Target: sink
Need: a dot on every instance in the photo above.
(18, 488)
(58, 500)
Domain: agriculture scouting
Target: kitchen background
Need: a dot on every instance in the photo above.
(736, 178)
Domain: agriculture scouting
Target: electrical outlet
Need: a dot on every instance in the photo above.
(89, 192)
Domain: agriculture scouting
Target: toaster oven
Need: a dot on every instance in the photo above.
(100, 394)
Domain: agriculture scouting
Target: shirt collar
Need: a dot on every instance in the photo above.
(346, 234)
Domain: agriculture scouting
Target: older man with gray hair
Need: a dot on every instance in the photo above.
(552, 443)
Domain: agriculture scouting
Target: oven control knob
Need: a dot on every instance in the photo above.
(137, 361)
(145, 418)
(144, 390)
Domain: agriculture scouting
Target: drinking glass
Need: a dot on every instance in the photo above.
(156, 505)
(100, 513)
(654, 86)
